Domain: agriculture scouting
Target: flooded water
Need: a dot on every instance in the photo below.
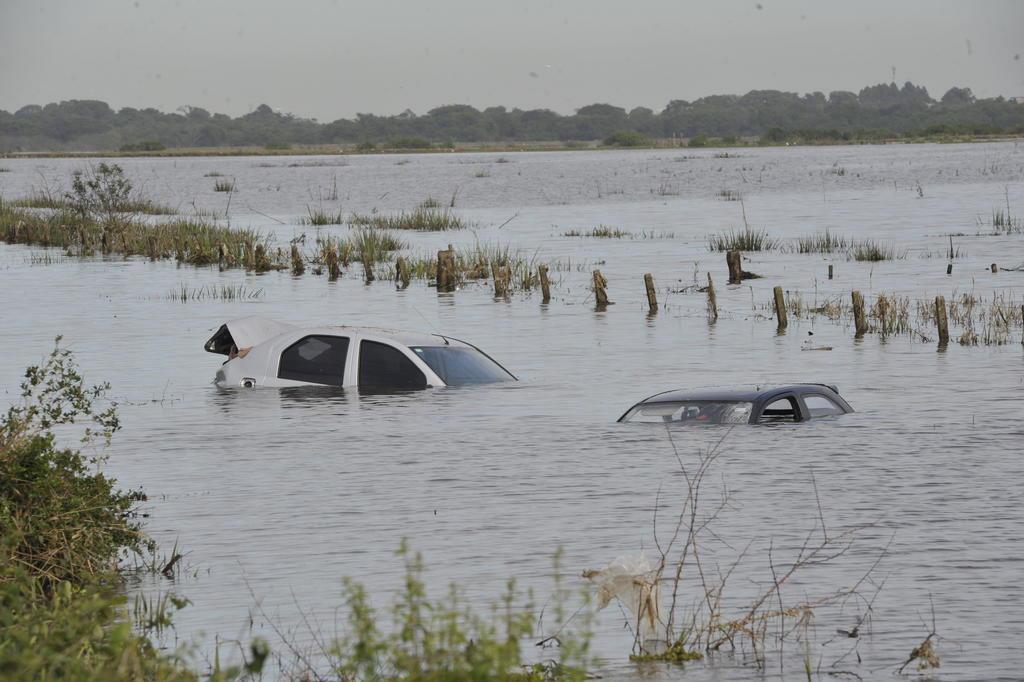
(278, 494)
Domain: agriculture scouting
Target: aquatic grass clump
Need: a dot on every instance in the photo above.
(1005, 223)
(319, 216)
(423, 219)
(214, 292)
(187, 240)
(747, 239)
(224, 186)
(873, 251)
(59, 202)
(372, 245)
(821, 242)
(599, 231)
(728, 195)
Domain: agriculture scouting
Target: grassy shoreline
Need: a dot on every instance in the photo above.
(488, 148)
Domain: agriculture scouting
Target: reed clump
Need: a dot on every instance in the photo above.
(60, 202)
(187, 240)
(320, 217)
(602, 231)
(421, 218)
(224, 186)
(214, 292)
(874, 251)
(822, 242)
(746, 239)
(1003, 222)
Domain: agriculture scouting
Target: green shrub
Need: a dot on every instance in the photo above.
(63, 526)
(627, 138)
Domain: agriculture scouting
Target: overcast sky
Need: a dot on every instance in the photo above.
(332, 58)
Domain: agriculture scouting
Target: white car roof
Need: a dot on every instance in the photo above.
(254, 330)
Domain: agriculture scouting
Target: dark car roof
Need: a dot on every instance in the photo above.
(747, 394)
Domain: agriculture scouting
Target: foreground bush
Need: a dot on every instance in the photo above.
(63, 527)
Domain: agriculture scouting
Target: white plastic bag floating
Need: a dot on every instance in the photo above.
(634, 582)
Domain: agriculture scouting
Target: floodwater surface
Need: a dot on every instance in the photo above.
(276, 495)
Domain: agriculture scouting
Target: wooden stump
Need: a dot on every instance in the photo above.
(734, 259)
(402, 274)
(780, 309)
(545, 284)
(830, 272)
(941, 320)
(446, 270)
(601, 290)
(298, 264)
(994, 268)
(501, 276)
(652, 295)
(368, 275)
(712, 302)
(333, 269)
(860, 321)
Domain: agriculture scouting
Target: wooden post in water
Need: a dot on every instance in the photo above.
(333, 269)
(995, 269)
(780, 309)
(545, 284)
(368, 268)
(734, 259)
(298, 265)
(941, 320)
(501, 280)
(446, 269)
(600, 290)
(949, 269)
(402, 274)
(712, 302)
(860, 321)
(652, 295)
(830, 271)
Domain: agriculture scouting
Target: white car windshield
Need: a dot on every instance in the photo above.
(692, 411)
(460, 365)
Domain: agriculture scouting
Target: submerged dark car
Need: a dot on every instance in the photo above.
(757, 405)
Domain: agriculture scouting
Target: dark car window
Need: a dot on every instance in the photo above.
(384, 367)
(821, 406)
(315, 359)
(458, 365)
(780, 410)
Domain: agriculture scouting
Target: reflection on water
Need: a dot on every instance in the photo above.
(288, 490)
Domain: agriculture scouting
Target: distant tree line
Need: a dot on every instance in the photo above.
(878, 111)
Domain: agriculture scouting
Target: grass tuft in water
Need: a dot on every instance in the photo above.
(599, 231)
(224, 186)
(423, 219)
(321, 217)
(873, 251)
(747, 239)
(821, 242)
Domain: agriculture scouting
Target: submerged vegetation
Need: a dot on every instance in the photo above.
(746, 239)
(599, 231)
(423, 218)
(821, 242)
(874, 251)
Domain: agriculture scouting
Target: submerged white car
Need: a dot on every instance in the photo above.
(264, 352)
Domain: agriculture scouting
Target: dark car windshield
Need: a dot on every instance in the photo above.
(692, 411)
(459, 365)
